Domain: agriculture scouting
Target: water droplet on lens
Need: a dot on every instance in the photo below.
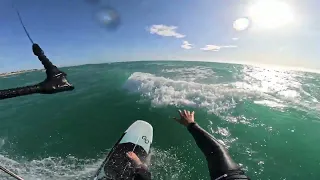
(108, 18)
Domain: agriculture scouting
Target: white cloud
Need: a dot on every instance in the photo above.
(235, 39)
(167, 31)
(211, 48)
(216, 48)
(229, 46)
(186, 45)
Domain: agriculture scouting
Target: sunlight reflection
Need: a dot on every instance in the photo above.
(277, 88)
(270, 80)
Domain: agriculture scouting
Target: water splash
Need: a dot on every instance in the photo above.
(164, 91)
(2, 142)
(51, 168)
(164, 165)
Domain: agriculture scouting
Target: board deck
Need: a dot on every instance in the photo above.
(137, 138)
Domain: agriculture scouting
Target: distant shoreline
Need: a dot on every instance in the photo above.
(17, 72)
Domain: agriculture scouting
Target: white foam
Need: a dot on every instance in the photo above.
(51, 168)
(289, 94)
(214, 97)
(273, 88)
(223, 131)
(164, 91)
(270, 103)
(191, 73)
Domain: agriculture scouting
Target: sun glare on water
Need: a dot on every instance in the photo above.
(267, 14)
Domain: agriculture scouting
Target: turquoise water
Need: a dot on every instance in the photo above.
(268, 119)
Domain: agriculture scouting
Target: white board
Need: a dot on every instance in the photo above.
(137, 137)
(139, 133)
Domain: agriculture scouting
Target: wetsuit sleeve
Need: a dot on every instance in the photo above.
(37, 51)
(47, 64)
(20, 91)
(221, 165)
(142, 173)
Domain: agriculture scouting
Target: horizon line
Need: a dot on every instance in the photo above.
(263, 65)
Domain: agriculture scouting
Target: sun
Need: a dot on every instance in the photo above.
(270, 14)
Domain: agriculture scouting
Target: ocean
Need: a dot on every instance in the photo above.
(267, 118)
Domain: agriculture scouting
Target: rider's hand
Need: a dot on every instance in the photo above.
(134, 158)
(37, 50)
(186, 117)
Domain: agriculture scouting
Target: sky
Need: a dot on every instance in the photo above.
(281, 32)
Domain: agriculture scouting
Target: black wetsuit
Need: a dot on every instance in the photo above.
(220, 164)
(142, 173)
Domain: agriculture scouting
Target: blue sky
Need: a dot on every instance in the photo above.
(70, 33)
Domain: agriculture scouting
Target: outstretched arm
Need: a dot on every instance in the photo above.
(54, 83)
(19, 91)
(220, 163)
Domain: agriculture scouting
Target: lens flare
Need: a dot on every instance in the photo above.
(108, 18)
(241, 24)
